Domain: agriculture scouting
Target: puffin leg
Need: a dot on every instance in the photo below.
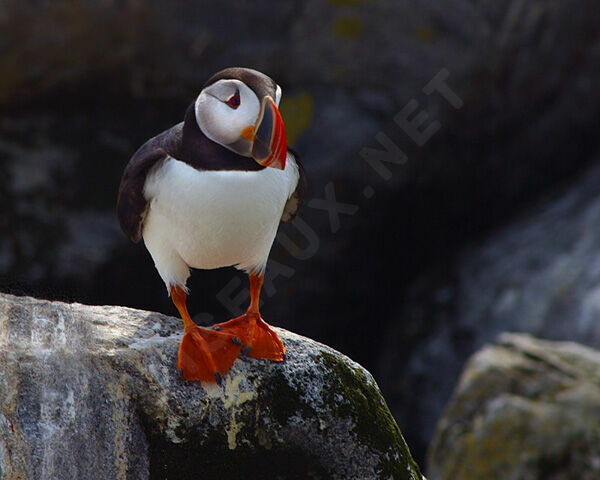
(204, 354)
(252, 331)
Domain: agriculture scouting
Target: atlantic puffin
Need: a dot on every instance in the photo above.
(210, 192)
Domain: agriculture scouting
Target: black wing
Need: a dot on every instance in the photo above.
(297, 198)
(131, 204)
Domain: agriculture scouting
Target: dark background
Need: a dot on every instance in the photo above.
(479, 231)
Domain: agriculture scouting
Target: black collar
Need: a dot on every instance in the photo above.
(200, 152)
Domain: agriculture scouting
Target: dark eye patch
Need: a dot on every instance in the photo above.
(234, 101)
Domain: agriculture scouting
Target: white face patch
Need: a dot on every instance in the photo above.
(221, 122)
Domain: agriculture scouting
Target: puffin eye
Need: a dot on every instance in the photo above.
(234, 101)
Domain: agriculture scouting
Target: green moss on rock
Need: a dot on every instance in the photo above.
(350, 393)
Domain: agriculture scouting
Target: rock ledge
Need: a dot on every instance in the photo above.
(93, 392)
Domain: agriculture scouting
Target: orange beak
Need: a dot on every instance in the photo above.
(270, 143)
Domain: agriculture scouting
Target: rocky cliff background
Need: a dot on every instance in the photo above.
(484, 221)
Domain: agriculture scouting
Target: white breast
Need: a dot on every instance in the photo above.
(212, 219)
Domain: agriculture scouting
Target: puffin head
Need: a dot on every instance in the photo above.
(237, 108)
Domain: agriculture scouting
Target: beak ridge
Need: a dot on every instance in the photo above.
(270, 143)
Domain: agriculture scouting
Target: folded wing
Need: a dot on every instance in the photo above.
(131, 204)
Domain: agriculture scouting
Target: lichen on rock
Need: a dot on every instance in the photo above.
(524, 408)
(93, 392)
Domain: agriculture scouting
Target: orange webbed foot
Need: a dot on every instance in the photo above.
(255, 335)
(206, 354)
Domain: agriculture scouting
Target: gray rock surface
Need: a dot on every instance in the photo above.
(93, 392)
(541, 274)
(526, 409)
